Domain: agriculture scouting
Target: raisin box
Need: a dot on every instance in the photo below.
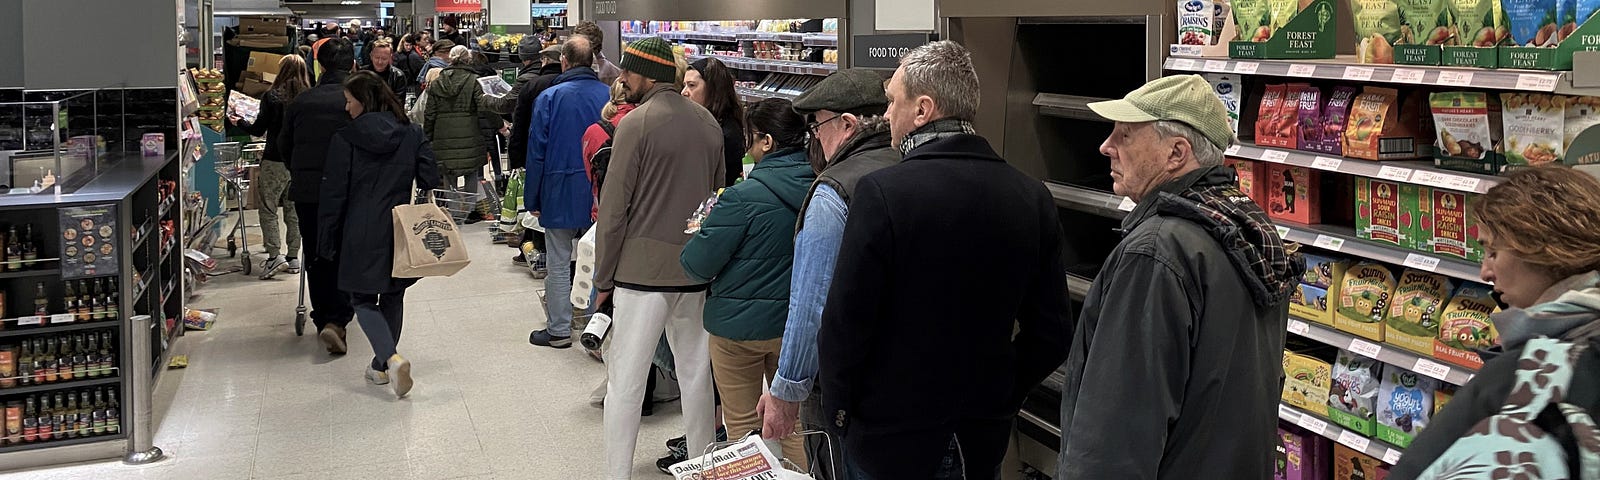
(1453, 231)
(1388, 212)
(1293, 193)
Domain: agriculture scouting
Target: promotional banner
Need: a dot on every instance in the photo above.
(458, 6)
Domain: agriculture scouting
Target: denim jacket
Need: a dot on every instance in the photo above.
(815, 250)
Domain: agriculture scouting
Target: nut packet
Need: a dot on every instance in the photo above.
(1258, 20)
(1478, 23)
(1533, 23)
(1534, 128)
(1581, 113)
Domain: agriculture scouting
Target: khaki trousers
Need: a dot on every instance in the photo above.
(741, 369)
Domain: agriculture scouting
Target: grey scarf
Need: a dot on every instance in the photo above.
(941, 128)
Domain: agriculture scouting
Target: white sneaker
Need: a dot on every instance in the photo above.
(294, 265)
(400, 371)
(272, 267)
(376, 377)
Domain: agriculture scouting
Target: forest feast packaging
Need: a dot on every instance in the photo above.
(1425, 27)
(1377, 24)
(1364, 298)
(1283, 29)
(1415, 310)
(1478, 28)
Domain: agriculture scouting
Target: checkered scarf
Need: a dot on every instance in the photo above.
(941, 128)
(1245, 233)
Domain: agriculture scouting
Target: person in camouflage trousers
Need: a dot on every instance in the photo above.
(272, 190)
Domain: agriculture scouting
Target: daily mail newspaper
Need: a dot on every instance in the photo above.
(748, 459)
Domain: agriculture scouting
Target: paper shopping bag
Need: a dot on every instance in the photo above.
(426, 243)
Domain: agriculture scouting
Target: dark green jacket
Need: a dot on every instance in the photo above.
(452, 121)
(745, 248)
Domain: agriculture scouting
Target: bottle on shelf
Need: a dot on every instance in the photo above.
(58, 419)
(13, 251)
(113, 312)
(30, 250)
(25, 365)
(80, 357)
(69, 300)
(64, 370)
(46, 428)
(97, 420)
(113, 413)
(108, 357)
(83, 311)
(91, 353)
(30, 421)
(38, 361)
(51, 373)
(69, 416)
(84, 425)
(41, 301)
(99, 308)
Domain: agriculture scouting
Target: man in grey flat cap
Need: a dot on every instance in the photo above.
(850, 140)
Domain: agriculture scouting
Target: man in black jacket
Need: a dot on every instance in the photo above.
(383, 64)
(1176, 364)
(912, 374)
(308, 126)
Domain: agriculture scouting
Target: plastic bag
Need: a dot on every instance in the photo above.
(700, 214)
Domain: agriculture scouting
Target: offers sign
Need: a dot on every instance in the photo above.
(458, 6)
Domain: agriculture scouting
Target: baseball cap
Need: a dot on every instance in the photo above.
(1180, 98)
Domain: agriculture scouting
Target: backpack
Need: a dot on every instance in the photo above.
(602, 157)
(1513, 443)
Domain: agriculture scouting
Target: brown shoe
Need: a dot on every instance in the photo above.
(333, 338)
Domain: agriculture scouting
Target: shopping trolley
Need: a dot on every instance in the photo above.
(300, 313)
(784, 463)
(234, 169)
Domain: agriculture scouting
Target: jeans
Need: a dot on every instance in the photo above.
(381, 317)
(272, 188)
(641, 317)
(558, 284)
(329, 305)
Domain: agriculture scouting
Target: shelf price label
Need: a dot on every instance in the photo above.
(1458, 182)
(1216, 66)
(1358, 73)
(1395, 174)
(1354, 440)
(1430, 178)
(1283, 232)
(1455, 78)
(1407, 75)
(1301, 70)
(61, 318)
(1127, 205)
(1314, 424)
(1536, 82)
(1298, 327)
(1423, 262)
(1329, 243)
(1365, 347)
(1325, 163)
(33, 320)
(1247, 68)
(1233, 150)
(1431, 368)
(1275, 156)
(1183, 64)
(1391, 456)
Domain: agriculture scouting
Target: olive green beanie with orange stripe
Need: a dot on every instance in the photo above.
(651, 57)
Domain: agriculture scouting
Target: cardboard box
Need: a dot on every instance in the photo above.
(1452, 229)
(263, 26)
(1352, 465)
(1302, 455)
(1318, 289)
(253, 84)
(263, 63)
(1310, 302)
(262, 41)
(1387, 212)
(1250, 176)
(1306, 382)
(1293, 193)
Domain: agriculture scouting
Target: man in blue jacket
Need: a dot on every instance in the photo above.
(558, 190)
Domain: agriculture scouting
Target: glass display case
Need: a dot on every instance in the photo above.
(56, 141)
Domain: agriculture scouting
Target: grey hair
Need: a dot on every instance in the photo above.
(1205, 152)
(460, 55)
(943, 70)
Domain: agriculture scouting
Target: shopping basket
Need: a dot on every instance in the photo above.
(456, 202)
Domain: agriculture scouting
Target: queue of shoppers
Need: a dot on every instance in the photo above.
(809, 297)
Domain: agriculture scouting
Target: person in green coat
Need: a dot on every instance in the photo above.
(451, 122)
(745, 248)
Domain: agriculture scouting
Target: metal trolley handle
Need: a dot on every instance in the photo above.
(833, 468)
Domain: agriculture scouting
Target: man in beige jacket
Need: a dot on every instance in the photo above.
(666, 160)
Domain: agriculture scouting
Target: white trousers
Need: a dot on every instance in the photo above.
(636, 328)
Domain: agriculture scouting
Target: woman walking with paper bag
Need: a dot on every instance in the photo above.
(372, 164)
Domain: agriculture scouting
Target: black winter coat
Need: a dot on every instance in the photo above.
(522, 118)
(903, 362)
(733, 140)
(371, 166)
(269, 122)
(308, 124)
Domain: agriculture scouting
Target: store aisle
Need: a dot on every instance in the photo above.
(259, 402)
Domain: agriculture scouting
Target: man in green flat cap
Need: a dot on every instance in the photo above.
(1176, 363)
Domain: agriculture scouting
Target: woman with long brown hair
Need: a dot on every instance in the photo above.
(372, 165)
(710, 83)
(272, 183)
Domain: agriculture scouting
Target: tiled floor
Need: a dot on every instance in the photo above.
(259, 402)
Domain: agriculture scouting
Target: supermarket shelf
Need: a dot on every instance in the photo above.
(1421, 172)
(48, 272)
(1343, 240)
(771, 37)
(1078, 287)
(166, 205)
(53, 386)
(13, 331)
(780, 66)
(1330, 237)
(755, 95)
(1068, 106)
(118, 437)
(828, 41)
(1345, 68)
(1321, 426)
(1455, 375)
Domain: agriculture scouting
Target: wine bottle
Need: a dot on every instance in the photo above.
(108, 356)
(69, 418)
(85, 415)
(25, 365)
(13, 251)
(30, 250)
(80, 356)
(113, 413)
(99, 310)
(97, 419)
(113, 312)
(69, 300)
(84, 313)
(30, 421)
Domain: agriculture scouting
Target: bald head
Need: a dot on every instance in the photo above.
(577, 52)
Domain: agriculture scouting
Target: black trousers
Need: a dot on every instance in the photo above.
(329, 305)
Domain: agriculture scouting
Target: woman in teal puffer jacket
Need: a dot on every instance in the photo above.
(745, 248)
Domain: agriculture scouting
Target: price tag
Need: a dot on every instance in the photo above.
(1430, 178)
(1283, 232)
(1396, 174)
(1216, 66)
(1407, 75)
(1536, 82)
(1457, 182)
(1455, 78)
(1275, 156)
(1358, 73)
(1314, 424)
(1431, 368)
(61, 318)
(1232, 150)
(1329, 243)
(1365, 347)
(1391, 457)
(1248, 68)
(1299, 328)
(1183, 64)
(1299, 70)
(1326, 163)
(1354, 440)
(1127, 205)
(34, 320)
(1423, 262)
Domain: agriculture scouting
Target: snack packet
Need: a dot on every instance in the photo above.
(1377, 25)
(1535, 132)
(700, 213)
(1354, 392)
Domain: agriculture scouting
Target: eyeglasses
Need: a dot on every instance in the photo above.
(813, 126)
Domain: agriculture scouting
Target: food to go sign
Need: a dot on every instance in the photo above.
(458, 6)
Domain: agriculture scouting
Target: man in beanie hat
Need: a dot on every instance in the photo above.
(909, 378)
(666, 159)
(448, 30)
(1185, 319)
(850, 140)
